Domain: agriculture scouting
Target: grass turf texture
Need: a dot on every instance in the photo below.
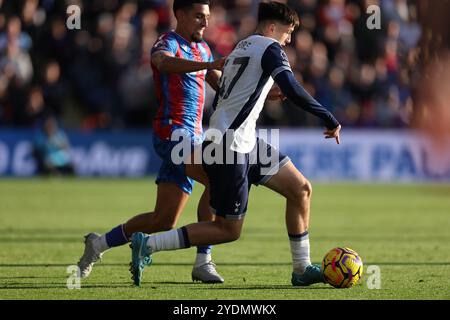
(404, 229)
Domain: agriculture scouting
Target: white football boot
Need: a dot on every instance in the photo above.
(206, 273)
(90, 256)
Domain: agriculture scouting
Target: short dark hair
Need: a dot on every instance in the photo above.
(184, 4)
(276, 11)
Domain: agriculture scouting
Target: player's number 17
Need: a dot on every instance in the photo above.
(243, 62)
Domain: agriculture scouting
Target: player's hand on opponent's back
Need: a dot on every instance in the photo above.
(217, 64)
(275, 94)
(335, 133)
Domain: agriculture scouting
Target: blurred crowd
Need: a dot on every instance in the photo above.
(100, 77)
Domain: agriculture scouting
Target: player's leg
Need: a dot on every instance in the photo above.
(204, 268)
(279, 174)
(197, 234)
(170, 202)
(174, 188)
(290, 183)
(226, 226)
(228, 194)
(229, 188)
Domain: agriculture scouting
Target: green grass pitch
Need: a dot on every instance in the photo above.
(403, 229)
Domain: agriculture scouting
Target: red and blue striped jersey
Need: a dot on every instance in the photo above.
(181, 97)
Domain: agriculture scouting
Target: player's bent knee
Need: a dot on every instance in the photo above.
(230, 230)
(231, 236)
(307, 188)
(233, 232)
(164, 223)
(301, 192)
(234, 235)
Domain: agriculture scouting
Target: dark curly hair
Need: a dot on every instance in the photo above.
(276, 11)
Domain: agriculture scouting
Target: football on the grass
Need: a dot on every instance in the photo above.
(342, 267)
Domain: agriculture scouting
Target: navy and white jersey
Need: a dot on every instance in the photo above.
(246, 80)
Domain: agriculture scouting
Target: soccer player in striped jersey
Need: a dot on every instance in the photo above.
(182, 63)
(248, 75)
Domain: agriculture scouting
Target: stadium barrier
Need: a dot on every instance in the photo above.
(108, 154)
(364, 155)
(367, 155)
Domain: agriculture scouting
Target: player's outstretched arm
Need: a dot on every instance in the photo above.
(213, 77)
(300, 97)
(165, 62)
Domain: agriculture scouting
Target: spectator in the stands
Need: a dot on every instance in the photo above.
(52, 150)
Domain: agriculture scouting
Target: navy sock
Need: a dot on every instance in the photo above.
(299, 237)
(204, 249)
(116, 237)
(184, 239)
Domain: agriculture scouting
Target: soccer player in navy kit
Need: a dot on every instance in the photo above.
(247, 77)
(181, 63)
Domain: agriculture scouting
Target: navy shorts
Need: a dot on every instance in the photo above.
(230, 183)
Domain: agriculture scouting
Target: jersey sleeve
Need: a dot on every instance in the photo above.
(275, 60)
(166, 43)
(301, 98)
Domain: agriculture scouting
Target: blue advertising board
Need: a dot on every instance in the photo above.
(363, 155)
(124, 154)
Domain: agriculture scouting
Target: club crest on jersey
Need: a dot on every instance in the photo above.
(284, 55)
(243, 45)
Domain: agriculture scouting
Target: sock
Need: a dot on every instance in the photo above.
(114, 238)
(300, 252)
(203, 256)
(170, 240)
(100, 244)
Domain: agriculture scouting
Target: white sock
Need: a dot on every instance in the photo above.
(300, 252)
(100, 244)
(170, 240)
(202, 259)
